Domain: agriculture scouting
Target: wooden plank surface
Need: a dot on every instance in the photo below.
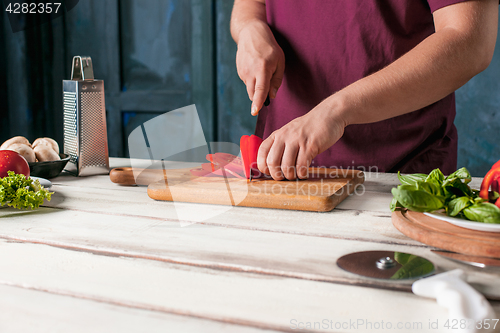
(230, 297)
(250, 267)
(29, 310)
(371, 225)
(230, 249)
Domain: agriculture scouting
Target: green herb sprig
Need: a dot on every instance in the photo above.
(20, 192)
(427, 193)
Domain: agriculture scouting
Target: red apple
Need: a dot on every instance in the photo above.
(12, 161)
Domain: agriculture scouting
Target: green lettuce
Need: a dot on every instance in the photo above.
(20, 192)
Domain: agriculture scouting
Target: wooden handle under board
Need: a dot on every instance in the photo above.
(125, 176)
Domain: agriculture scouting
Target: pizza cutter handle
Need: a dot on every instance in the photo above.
(462, 301)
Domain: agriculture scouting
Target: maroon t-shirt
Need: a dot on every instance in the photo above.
(330, 44)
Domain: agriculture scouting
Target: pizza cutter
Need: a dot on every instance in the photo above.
(476, 261)
(449, 288)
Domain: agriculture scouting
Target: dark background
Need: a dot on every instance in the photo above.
(159, 55)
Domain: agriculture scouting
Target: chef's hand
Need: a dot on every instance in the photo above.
(288, 152)
(260, 62)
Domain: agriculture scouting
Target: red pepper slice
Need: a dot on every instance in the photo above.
(232, 165)
(225, 158)
(236, 168)
(244, 155)
(229, 162)
(203, 172)
(488, 181)
(200, 172)
(491, 179)
(494, 184)
(209, 167)
(211, 160)
(253, 150)
(249, 146)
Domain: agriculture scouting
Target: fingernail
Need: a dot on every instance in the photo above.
(255, 110)
(275, 91)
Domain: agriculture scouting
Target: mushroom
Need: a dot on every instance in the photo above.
(24, 150)
(16, 139)
(48, 142)
(45, 153)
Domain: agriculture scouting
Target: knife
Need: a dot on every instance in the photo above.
(267, 102)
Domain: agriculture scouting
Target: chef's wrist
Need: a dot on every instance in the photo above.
(254, 26)
(245, 12)
(336, 110)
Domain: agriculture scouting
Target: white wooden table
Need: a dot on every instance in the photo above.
(106, 258)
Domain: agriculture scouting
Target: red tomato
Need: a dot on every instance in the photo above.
(12, 161)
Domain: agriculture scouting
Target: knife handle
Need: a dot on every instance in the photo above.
(131, 176)
(267, 101)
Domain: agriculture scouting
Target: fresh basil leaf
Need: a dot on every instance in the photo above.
(455, 206)
(408, 187)
(424, 193)
(479, 199)
(411, 179)
(415, 267)
(461, 173)
(483, 212)
(436, 176)
(403, 258)
(430, 187)
(493, 196)
(395, 204)
(417, 200)
(456, 187)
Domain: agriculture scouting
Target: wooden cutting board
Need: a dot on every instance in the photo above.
(445, 235)
(324, 190)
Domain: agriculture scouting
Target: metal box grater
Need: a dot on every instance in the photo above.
(85, 135)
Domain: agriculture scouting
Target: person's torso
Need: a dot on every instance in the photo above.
(330, 44)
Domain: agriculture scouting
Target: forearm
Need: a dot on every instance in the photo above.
(433, 69)
(245, 12)
(259, 59)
